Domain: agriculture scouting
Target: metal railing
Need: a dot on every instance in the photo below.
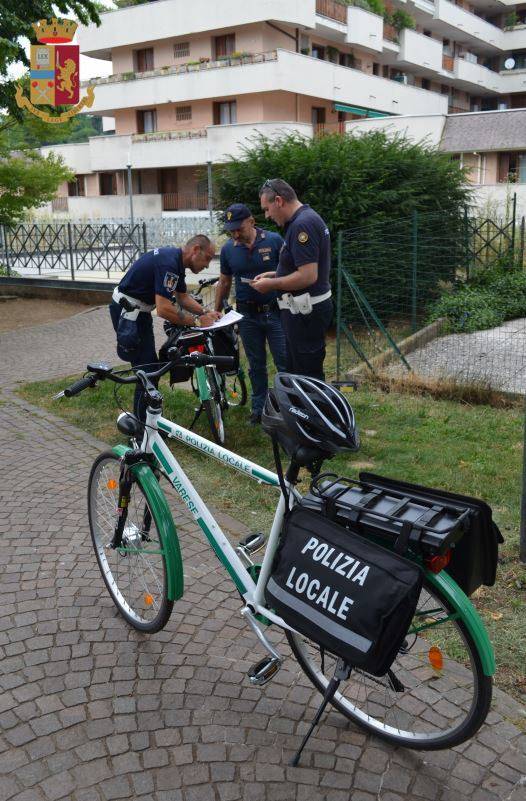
(185, 201)
(59, 204)
(332, 9)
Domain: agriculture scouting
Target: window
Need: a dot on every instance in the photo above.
(143, 59)
(426, 83)
(385, 70)
(427, 33)
(181, 49)
(376, 68)
(318, 51)
(147, 121)
(224, 45)
(108, 183)
(225, 113)
(77, 188)
(183, 113)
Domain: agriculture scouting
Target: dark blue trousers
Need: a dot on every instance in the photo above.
(305, 335)
(144, 355)
(256, 331)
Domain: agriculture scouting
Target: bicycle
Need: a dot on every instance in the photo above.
(437, 693)
(217, 390)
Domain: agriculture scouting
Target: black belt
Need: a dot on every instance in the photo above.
(251, 307)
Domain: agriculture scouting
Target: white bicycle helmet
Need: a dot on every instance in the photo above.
(308, 412)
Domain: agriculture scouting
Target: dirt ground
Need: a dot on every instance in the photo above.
(26, 312)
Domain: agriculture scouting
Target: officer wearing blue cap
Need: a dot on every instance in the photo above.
(250, 252)
(301, 279)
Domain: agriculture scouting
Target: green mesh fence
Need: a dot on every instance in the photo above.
(390, 275)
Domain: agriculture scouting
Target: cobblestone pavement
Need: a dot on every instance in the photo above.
(91, 710)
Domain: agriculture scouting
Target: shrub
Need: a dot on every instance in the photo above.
(491, 298)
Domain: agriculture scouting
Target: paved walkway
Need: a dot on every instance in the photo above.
(90, 710)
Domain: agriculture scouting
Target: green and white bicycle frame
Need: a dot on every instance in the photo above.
(251, 585)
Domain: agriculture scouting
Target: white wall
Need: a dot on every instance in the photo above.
(76, 156)
(415, 48)
(497, 197)
(107, 206)
(171, 18)
(416, 128)
(365, 29)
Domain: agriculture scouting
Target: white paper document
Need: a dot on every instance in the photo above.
(228, 319)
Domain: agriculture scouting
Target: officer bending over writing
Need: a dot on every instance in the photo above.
(302, 277)
(252, 251)
(152, 282)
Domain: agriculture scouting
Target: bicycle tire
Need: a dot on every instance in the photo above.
(213, 409)
(234, 389)
(142, 600)
(446, 710)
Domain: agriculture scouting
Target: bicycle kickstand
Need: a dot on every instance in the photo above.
(197, 415)
(342, 672)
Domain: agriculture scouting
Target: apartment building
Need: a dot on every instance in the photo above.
(491, 145)
(191, 83)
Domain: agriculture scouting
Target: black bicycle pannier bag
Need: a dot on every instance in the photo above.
(185, 341)
(474, 558)
(345, 593)
(225, 343)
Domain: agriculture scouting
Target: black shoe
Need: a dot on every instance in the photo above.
(255, 418)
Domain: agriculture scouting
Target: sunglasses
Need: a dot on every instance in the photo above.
(268, 185)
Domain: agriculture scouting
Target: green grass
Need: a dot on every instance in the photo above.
(473, 450)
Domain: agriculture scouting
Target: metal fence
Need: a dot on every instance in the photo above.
(82, 247)
(416, 297)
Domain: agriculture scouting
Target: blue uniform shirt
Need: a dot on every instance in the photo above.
(307, 240)
(159, 272)
(242, 262)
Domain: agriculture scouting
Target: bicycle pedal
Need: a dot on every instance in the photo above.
(264, 671)
(252, 542)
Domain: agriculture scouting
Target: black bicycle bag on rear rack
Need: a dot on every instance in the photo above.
(436, 522)
(225, 342)
(345, 593)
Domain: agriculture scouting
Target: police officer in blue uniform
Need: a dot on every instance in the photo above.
(152, 282)
(248, 253)
(301, 278)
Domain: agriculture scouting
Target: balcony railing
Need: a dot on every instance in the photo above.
(332, 9)
(457, 110)
(390, 33)
(59, 204)
(164, 136)
(448, 63)
(323, 128)
(180, 69)
(185, 201)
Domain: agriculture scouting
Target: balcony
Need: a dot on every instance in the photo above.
(419, 52)
(138, 24)
(472, 76)
(513, 80)
(476, 31)
(283, 71)
(364, 29)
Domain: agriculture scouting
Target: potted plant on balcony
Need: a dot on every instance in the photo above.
(400, 19)
(127, 76)
(512, 20)
(333, 54)
(193, 66)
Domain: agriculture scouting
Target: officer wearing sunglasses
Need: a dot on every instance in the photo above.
(301, 278)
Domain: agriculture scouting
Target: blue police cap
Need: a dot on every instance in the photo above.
(235, 214)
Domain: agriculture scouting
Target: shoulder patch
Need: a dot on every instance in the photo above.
(170, 281)
(303, 237)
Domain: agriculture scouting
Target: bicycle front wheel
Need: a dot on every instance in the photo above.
(235, 389)
(443, 696)
(135, 574)
(212, 407)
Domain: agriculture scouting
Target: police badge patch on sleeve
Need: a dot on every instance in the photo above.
(303, 237)
(170, 281)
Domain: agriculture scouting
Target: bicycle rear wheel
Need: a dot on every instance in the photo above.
(135, 574)
(444, 696)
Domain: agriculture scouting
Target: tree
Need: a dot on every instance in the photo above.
(33, 132)
(28, 180)
(16, 18)
(349, 180)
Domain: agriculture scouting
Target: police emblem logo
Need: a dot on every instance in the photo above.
(303, 237)
(170, 281)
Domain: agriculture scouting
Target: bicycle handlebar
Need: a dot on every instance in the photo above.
(101, 372)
